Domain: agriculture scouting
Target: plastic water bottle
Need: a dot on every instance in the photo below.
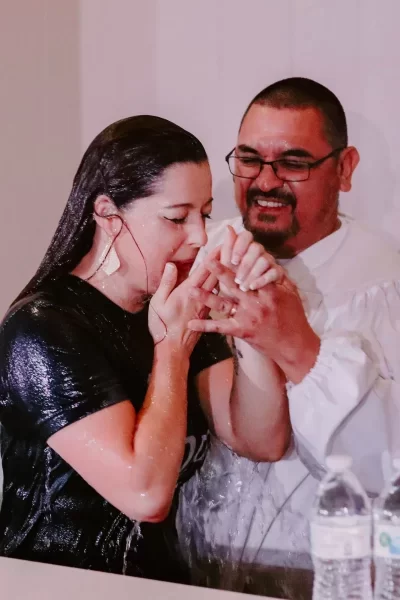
(341, 530)
(387, 539)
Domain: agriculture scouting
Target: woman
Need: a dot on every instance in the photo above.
(100, 389)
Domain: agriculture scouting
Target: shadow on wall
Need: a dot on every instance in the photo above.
(373, 198)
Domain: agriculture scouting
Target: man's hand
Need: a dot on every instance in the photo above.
(271, 319)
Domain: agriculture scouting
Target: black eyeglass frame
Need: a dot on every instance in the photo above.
(274, 166)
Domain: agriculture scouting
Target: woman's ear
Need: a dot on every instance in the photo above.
(348, 162)
(104, 210)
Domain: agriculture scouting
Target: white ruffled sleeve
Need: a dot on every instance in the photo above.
(350, 401)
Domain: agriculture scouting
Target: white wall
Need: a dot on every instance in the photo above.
(68, 69)
(39, 130)
(213, 57)
(200, 63)
(117, 62)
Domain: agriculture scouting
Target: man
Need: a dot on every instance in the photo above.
(243, 524)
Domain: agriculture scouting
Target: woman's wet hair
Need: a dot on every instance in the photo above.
(125, 162)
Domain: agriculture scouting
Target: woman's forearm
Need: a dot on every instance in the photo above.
(258, 407)
(133, 459)
(160, 432)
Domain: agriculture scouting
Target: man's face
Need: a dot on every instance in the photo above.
(303, 212)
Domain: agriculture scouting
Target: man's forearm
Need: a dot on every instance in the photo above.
(299, 358)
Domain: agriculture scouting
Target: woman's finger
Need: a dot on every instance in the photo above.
(227, 246)
(274, 275)
(211, 283)
(167, 283)
(225, 306)
(201, 273)
(243, 241)
(227, 279)
(198, 277)
(224, 326)
(261, 266)
(253, 253)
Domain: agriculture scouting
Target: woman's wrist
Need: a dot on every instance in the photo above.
(169, 351)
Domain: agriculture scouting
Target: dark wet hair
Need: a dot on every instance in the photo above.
(300, 92)
(125, 161)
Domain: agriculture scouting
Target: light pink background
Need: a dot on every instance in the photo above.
(70, 68)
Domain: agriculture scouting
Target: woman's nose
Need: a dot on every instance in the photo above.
(197, 236)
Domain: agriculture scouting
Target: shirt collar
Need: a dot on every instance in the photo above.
(318, 254)
(300, 267)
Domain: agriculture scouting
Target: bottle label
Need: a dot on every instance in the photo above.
(338, 538)
(387, 540)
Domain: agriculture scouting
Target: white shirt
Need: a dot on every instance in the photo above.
(237, 511)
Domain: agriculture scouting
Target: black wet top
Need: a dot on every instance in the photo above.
(65, 353)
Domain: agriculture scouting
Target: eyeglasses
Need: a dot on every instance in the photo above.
(250, 167)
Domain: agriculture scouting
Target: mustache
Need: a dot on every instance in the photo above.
(283, 196)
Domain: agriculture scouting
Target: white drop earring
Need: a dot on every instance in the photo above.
(112, 262)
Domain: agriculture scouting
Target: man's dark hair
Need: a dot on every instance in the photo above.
(299, 92)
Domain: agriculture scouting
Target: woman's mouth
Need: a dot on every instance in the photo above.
(184, 265)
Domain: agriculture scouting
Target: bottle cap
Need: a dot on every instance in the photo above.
(338, 462)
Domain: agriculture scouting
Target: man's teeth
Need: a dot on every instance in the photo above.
(269, 204)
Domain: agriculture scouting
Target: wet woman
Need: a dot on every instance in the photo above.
(104, 391)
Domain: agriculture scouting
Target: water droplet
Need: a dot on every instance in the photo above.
(134, 533)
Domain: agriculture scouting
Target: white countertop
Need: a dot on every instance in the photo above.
(23, 580)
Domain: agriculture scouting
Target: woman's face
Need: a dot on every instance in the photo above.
(168, 226)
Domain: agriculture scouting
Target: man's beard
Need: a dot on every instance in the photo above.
(274, 241)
